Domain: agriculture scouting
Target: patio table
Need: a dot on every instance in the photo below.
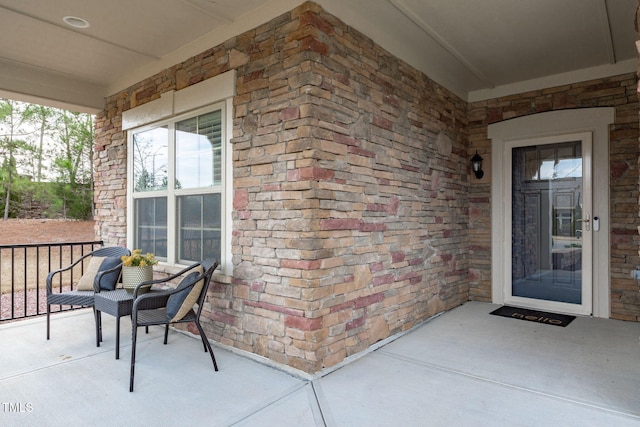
(117, 303)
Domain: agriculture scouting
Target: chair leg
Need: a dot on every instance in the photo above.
(117, 337)
(134, 334)
(207, 344)
(166, 333)
(100, 326)
(96, 314)
(48, 319)
(203, 338)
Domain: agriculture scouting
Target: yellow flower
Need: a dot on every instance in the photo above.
(137, 259)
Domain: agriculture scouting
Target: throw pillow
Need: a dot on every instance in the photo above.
(109, 281)
(86, 281)
(179, 299)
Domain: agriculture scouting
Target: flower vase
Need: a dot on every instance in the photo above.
(132, 276)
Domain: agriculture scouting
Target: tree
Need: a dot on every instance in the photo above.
(44, 121)
(73, 164)
(12, 147)
(46, 157)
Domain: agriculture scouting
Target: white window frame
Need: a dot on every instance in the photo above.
(210, 95)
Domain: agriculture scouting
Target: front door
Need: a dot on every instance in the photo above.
(550, 192)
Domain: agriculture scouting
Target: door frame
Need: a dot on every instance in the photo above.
(548, 124)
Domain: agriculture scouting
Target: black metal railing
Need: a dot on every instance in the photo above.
(23, 274)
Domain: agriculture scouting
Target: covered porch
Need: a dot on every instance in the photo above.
(345, 210)
(463, 367)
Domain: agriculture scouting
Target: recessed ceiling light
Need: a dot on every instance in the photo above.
(75, 22)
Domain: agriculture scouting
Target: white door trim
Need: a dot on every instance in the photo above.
(594, 120)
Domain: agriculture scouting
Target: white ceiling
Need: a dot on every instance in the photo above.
(476, 48)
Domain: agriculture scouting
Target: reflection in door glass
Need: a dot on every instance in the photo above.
(547, 222)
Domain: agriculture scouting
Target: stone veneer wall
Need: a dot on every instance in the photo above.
(637, 28)
(350, 190)
(618, 92)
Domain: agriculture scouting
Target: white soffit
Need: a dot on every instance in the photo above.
(476, 49)
(255, 17)
(598, 72)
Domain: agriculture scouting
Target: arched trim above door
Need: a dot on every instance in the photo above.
(594, 120)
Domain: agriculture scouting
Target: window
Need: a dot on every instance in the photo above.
(542, 163)
(177, 186)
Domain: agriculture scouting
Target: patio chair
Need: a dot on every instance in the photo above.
(102, 273)
(173, 306)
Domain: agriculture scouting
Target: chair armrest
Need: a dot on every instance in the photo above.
(139, 302)
(51, 274)
(101, 274)
(150, 283)
(138, 299)
(149, 301)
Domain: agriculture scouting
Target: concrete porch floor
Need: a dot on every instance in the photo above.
(462, 368)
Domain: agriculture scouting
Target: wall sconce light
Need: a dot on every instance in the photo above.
(476, 165)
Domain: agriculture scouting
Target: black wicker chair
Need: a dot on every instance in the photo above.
(173, 306)
(83, 298)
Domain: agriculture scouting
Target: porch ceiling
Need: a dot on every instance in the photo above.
(476, 49)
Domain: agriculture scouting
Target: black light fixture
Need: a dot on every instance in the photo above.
(476, 165)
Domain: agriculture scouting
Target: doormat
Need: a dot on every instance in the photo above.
(534, 316)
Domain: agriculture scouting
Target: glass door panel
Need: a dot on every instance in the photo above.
(547, 222)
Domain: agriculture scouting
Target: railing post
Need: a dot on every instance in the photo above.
(13, 282)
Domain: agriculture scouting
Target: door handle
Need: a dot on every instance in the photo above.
(587, 223)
